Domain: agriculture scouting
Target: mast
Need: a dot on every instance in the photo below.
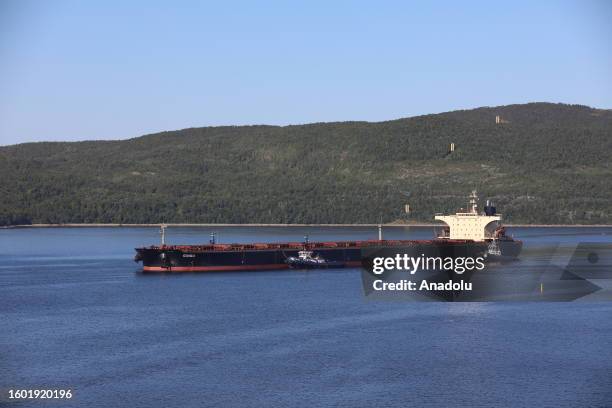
(162, 231)
(473, 202)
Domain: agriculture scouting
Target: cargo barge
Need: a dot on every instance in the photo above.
(468, 234)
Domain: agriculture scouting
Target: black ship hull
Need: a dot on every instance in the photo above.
(506, 250)
(252, 257)
(510, 249)
(186, 260)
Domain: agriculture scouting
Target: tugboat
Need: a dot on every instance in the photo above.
(305, 260)
(481, 227)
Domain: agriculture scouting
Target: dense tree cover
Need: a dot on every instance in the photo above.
(548, 163)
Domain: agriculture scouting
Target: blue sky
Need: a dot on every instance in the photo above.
(75, 70)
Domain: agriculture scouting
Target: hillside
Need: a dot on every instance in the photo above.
(547, 163)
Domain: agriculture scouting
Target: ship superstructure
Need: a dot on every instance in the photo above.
(482, 226)
(471, 224)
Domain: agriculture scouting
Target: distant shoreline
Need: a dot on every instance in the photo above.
(259, 225)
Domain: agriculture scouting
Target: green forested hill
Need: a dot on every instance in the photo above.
(547, 163)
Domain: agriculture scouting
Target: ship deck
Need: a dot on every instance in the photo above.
(302, 245)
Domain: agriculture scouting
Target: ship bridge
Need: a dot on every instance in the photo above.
(470, 224)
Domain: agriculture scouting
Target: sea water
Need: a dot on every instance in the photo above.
(76, 313)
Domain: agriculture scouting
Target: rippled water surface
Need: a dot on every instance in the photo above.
(76, 313)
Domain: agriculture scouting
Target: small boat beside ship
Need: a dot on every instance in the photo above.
(467, 234)
(306, 260)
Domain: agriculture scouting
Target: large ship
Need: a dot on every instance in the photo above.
(469, 234)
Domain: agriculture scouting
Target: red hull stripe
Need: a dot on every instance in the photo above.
(224, 268)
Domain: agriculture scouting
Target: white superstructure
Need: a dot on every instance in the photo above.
(471, 224)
